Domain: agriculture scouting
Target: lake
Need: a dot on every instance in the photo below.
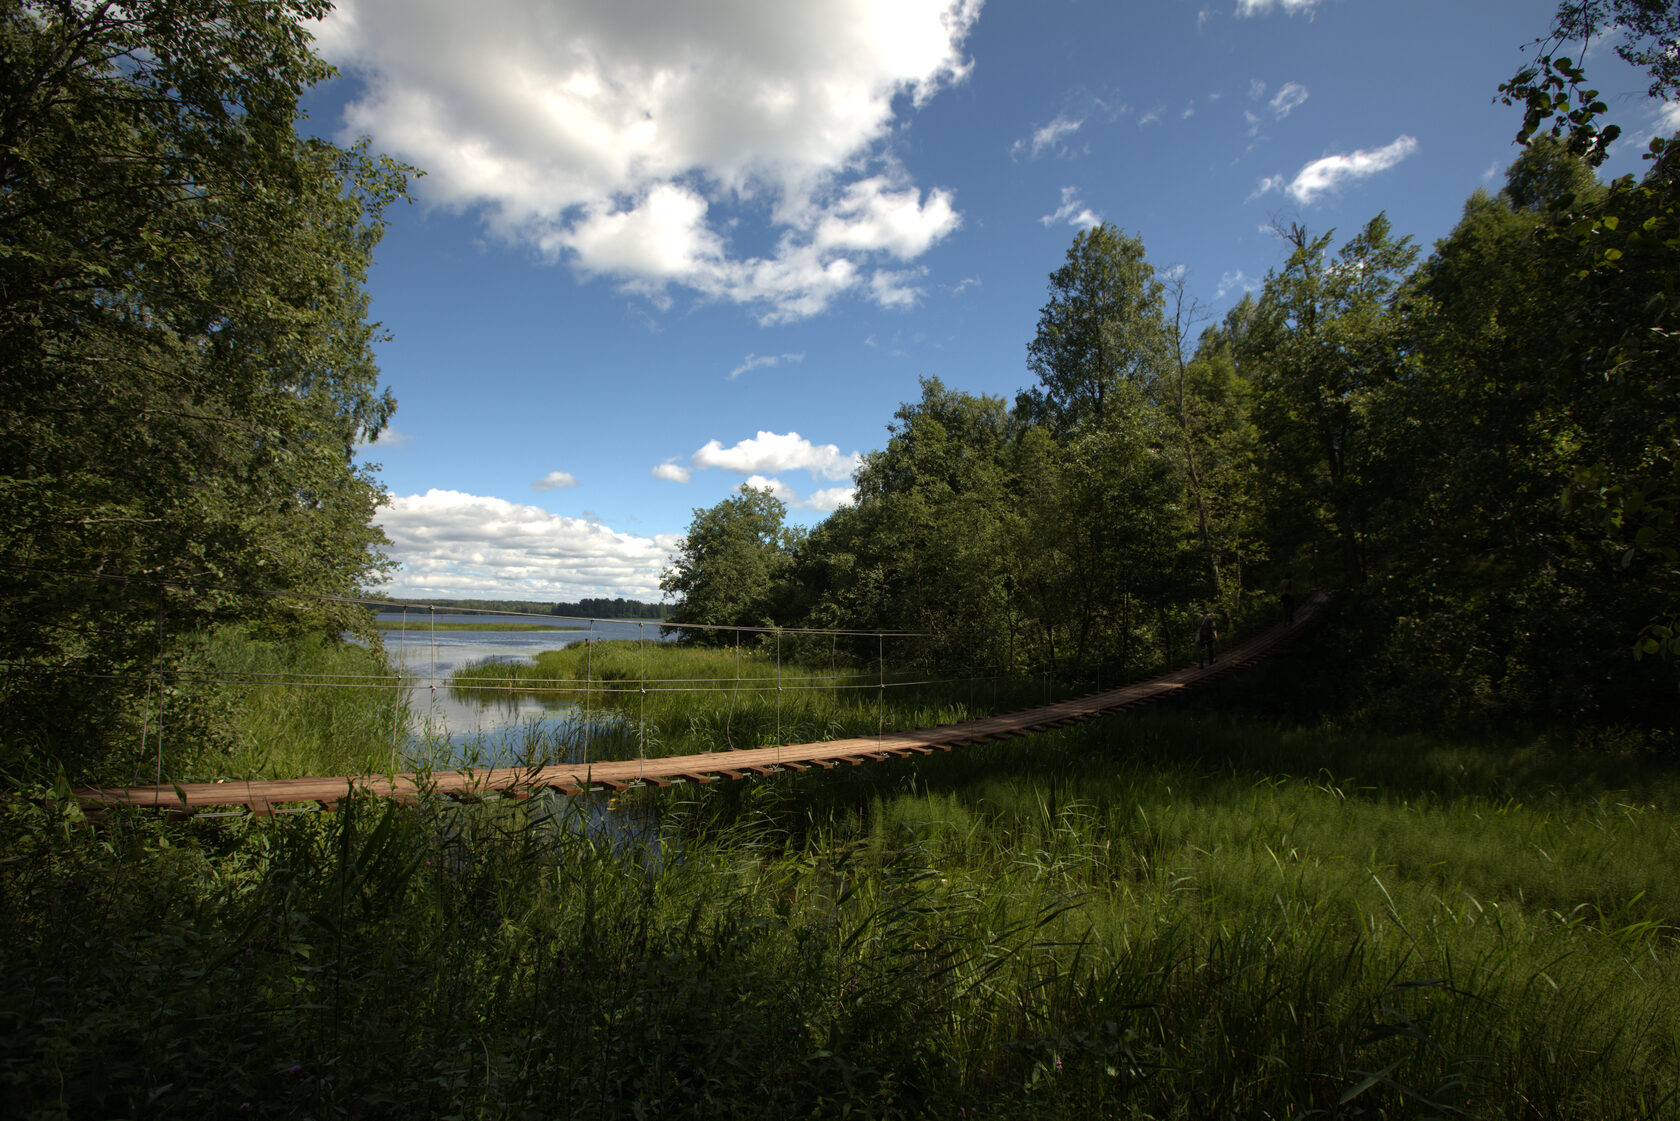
(494, 726)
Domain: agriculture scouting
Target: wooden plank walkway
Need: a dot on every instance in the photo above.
(281, 795)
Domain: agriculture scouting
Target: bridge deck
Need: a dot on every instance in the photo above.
(264, 797)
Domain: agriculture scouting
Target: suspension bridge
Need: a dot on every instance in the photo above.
(271, 796)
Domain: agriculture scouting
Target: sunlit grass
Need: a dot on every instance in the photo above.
(305, 706)
(671, 700)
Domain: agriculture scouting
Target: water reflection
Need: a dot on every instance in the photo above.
(482, 727)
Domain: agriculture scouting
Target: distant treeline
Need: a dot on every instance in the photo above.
(613, 609)
(584, 609)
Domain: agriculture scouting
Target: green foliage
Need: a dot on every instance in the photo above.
(1102, 329)
(1324, 347)
(731, 568)
(185, 356)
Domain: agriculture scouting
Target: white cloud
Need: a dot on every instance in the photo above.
(1253, 122)
(1256, 89)
(1288, 99)
(1189, 111)
(455, 545)
(1264, 7)
(1267, 185)
(829, 499)
(1047, 137)
(1152, 117)
(1233, 280)
(671, 471)
(769, 451)
(555, 480)
(824, 501)
(1668, 117)
(626, 141)
(1329, 173)
(1072, 211)
(763, 361)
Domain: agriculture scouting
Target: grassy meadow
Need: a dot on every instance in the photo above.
(1186, 912)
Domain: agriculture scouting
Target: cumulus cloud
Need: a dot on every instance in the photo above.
(555, 480)
(763, 361)
(1264, 7)
(671, 471)
(455, 545)
(771, 452)
(1329, 173)
(824, 501)
(627, 141)
(1047, 137)
(1072, 211)
(1288, 99)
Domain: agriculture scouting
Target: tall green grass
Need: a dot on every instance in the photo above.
(663, 699)
(1160, 916)
(300, 706)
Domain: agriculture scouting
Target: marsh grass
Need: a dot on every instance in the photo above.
(305, 706)
(1162, 915)
(671, 700)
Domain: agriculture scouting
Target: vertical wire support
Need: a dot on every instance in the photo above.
(729, 721)
(431, 703)
(641, 712)
(588, 665)
(881, 692)
(397, 693)
(778, 696)
(157, 671)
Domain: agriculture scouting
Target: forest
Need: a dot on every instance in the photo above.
(1421, 862)
(1475, 449)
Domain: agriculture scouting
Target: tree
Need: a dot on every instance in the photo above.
(1553, 91)
(731, 569)
(185, 356)
(1101, 331)
(1618, 252)
(1205, 409)
(1325, 345)
(926, 553)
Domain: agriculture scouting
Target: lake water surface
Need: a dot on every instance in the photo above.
(494, 724)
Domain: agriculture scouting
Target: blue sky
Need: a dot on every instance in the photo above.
(662, 249)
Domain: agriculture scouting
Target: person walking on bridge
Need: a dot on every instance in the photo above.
(1207, 633)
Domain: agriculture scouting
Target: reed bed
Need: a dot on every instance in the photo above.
(301, 706)
(658, 699)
